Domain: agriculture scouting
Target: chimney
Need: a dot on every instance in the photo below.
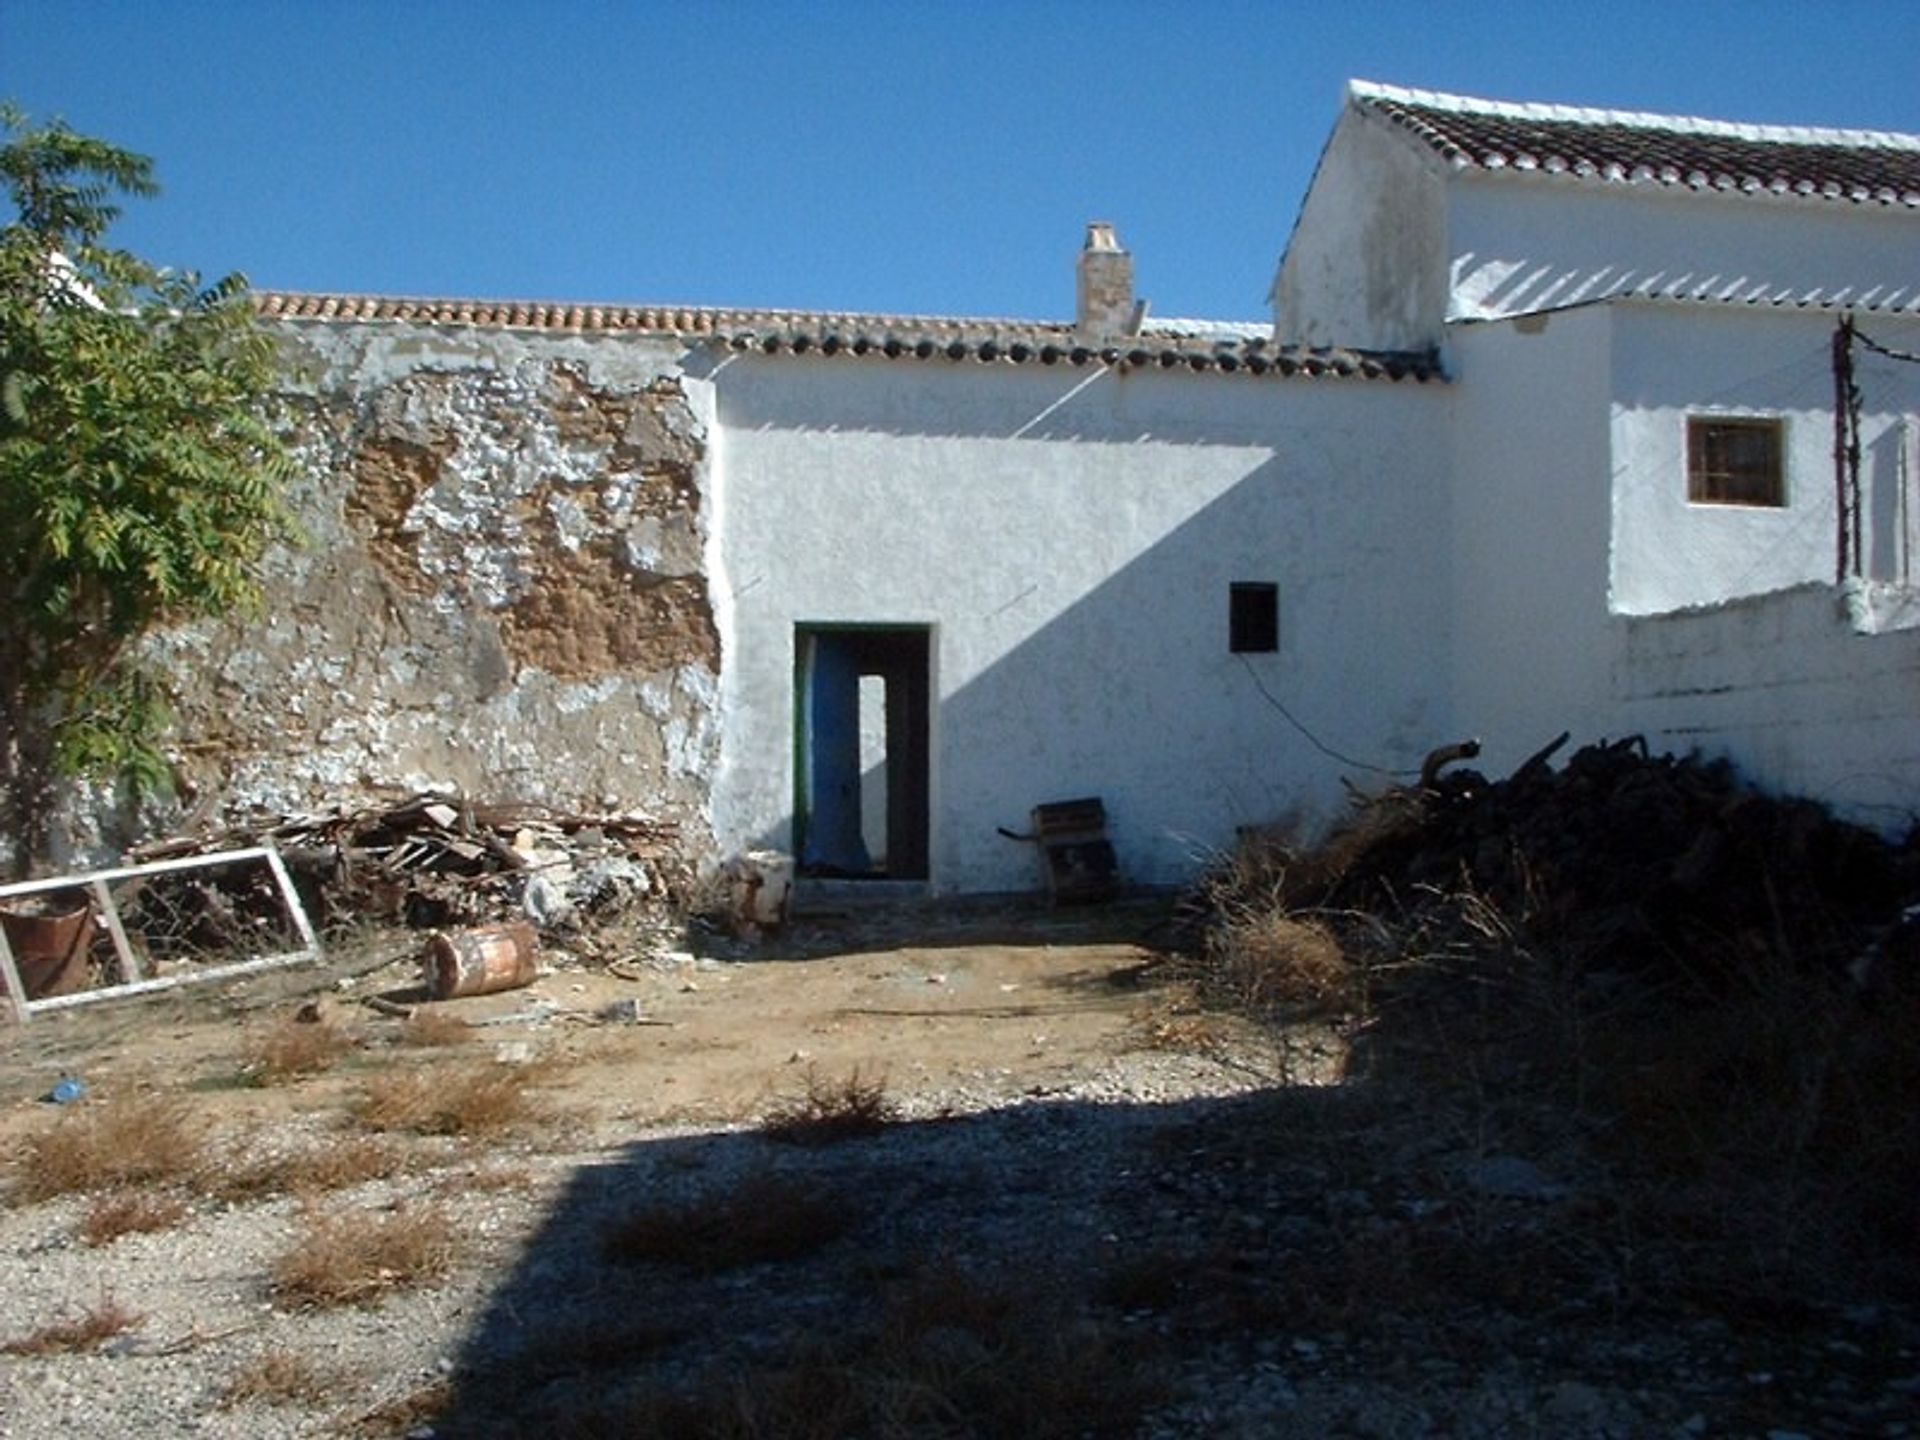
(1104, 304)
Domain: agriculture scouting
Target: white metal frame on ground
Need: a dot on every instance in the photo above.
(132, 982)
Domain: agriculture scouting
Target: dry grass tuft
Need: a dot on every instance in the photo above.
(88, 1330)
(445, 1101)
(763, 1218)
(1261, 958)
(130, 1212)
(429, 1029)
(137, 1140)
(282, 1377)
(291, 1049)
(339, 1164)
(404, 1414)
(831, 1111)
(353, 1258)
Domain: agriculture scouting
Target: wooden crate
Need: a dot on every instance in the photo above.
(1076, 858)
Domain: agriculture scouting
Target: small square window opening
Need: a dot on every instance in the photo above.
(1735, 462)
(1253, 618)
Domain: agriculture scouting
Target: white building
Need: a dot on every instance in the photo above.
(1542, 439)
(1638, 314)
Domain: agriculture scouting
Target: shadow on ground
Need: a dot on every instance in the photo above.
(1015, 1272)
(1453, 1241)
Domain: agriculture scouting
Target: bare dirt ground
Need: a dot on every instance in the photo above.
(1016, 1182)
(1001, 998)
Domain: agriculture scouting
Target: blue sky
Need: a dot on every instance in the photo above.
(933, 158)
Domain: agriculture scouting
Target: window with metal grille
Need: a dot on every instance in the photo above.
(1253, 617)
(1735, 462)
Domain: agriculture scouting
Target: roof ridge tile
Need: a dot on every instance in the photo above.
(1579, 145)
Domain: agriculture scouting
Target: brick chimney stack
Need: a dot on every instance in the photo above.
(1104, 304)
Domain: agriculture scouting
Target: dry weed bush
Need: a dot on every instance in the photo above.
(478, 1100)
(830, 1111)
(130, 1212)
(282, 1377)
(611, 1346)
(408, 1413)
(291, 1049)
(762, 1218)
(131, 1141)
(71, 1334)
(349, 1259)
(1263, 959)
(1263, 948)
(1778, 1124)
(339, 1164)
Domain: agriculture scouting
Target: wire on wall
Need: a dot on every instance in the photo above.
(1311, 738)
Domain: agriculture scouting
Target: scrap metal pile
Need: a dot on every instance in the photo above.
(431, 860)
(1624, 860)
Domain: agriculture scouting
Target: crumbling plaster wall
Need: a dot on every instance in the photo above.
(500, 585)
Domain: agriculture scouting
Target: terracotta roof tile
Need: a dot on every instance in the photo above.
(1629, 147)
(1207, 347)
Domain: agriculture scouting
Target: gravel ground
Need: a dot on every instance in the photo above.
(1140, 1240)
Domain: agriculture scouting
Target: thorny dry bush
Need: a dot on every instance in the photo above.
(348, 1259)
(282, 1377)
(292, 1048)
(340, 1163)
(1741, 1090)
(429, 1029)
(829, 1111)
(934, 1348)
(135, 1140)
(88, 1330)
(130, 1212)
(447, 1100)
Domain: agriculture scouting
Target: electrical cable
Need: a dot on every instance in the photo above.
(1886, 350)
(1311, 738)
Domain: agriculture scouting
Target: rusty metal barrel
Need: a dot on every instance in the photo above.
(479, 961)
(49, 945)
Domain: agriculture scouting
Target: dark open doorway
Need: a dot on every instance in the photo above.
(860, 768)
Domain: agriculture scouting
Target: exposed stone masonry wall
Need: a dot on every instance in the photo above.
(500, 587)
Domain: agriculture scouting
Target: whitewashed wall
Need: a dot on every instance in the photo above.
(1531, 481)
(1792, 688)
(1518, 243)
(1589, 597)
(1391, 244)
(1670, 361)
(1366, 264)
(1070, 536)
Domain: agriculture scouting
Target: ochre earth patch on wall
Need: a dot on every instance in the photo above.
(586, 614)
(569, 512)
(391, 473)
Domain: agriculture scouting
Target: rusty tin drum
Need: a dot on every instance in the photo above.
(479, 961)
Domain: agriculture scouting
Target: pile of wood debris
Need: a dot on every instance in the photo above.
(1621, 859)
(428, 860)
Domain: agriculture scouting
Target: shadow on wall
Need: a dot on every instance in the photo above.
(1132, 693)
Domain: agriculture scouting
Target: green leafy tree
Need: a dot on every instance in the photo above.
(140, 470)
